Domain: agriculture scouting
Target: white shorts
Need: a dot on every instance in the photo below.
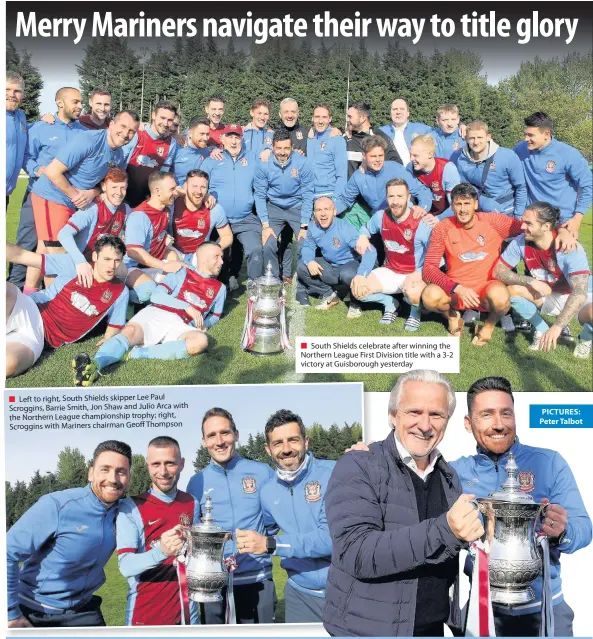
(155, 274)
(160, 326)
(391, 282)
(555, 303)
(25, 326)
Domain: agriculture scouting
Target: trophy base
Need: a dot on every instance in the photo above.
(271, 354)
(205, 597)
(511, 597)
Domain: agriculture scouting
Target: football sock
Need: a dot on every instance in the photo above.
(142, 292)
(587, 333)
(112, 351)
(528, 311)
(415, 311)
(169, 350)
(389, 303)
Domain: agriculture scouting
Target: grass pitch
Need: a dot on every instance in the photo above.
(226, 363)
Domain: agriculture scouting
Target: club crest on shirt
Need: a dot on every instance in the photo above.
(160, 150)
(201, 224)
(116, 228)
(415, 135)
(493, 166)
(551, 265)
(336, 242)
(243, 162)
(299, 135)
(106, 297)
(294, 172)
(249, 485)
(408, 234)
(322, 146)
(313, 491)
(481, 240)
(210, 292)
(435, 186)
(112, 164)
(456, 146)
(526, 481)
(551, 166)
(267, 140)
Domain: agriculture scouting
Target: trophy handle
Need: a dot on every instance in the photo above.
(541, 513)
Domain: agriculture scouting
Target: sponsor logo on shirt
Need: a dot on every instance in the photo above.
(313, 491)
(551, 166)
(336, 242)
(189, 233)
(294, 172)
(83, 304)
(394, 247)
(541, 275)
(194, 300)
(249, 485)
(144, 160)
(526, 481)
(473, 257)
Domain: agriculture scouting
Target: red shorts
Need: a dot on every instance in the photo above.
(50, 218)
(458, 304)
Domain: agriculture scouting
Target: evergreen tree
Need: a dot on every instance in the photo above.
(202, 459)
(72, 469)
(21, 63)
(140, 480)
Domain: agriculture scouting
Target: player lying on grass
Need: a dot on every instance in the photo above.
(174, 326)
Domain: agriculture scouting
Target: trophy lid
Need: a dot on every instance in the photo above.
(511, 489)
(268, 278)
(208, 525)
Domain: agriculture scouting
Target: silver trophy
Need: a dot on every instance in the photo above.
(510, 516)
(206, 574)
(264, 332)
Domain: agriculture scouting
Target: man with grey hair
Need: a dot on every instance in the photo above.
(289, 116)
(398, 519)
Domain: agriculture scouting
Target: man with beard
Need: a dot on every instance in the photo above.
(398, 520)
(470, 242)
(214, 108)
(190, 157)
(106, 216)
(447, 135)
(232, 177)
(67, 310)
(193, 221)
(330, 275)
(546, 476)
(257, 135)
(496, 172)
(100, 105)
(283, 198)
(405, 239)
(234, 485)
(43, 144)
(183, 307)
(16, 130)
(294, 500)
(558, 283)
(149, 537)
(62, 544)
(152, 149)
(147, 238)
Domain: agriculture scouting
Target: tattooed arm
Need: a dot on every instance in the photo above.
(505, 275)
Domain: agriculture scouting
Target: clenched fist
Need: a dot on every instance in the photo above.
(464, 519)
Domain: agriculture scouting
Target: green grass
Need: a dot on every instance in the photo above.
(226, 363)
(115, 589)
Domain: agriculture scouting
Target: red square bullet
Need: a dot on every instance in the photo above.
(11, 398)
(303, 344)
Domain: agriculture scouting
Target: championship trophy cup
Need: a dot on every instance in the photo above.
(264, 332)
(206, 574)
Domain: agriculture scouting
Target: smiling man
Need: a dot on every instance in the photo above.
(295, 502)
(234, 484)
(398, 520)
(149, 537)
(545, 475)
(100, 110)
(62, 544)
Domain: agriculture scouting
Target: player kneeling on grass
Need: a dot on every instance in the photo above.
(174, 326)
(330, 275)
(405, 238)
(559, 283)
(67, 310)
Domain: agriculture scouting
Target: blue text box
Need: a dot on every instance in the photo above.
(561, 416)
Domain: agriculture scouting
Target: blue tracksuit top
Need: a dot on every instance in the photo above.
(63, 542)
(188, 158)
(558, 174)
(235, 490)
(16, 143)
(337, 244)
(256, 140)
(233, 182)
(370, 185)
(330, 163)
(287, 186)
(504, 189)
(447, 143)
(411, 130)
(546, 475)
(298, 508)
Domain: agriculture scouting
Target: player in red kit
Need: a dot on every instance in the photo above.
(149, 529)
(100, 106)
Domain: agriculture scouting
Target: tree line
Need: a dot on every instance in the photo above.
(72, 467)
(197, 68)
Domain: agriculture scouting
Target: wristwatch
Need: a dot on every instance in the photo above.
(270, 545)
(304, 227)
(558, 541)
